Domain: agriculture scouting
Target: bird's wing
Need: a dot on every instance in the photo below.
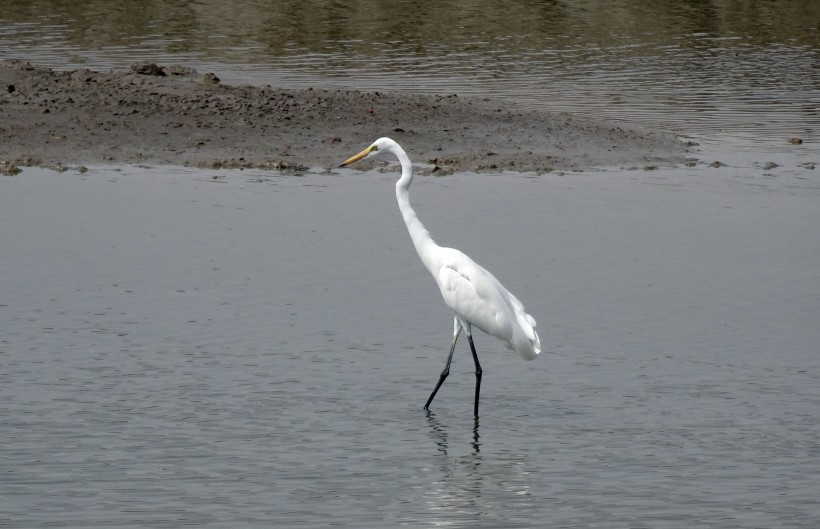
(474, 294)
(479, 298)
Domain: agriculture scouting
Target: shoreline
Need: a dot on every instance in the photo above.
(177, 116)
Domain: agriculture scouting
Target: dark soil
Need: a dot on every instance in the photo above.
(173, 115)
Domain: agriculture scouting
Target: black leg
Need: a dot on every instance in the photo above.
(478, 373)
(446, 371)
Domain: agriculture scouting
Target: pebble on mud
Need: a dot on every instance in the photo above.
(147, 68)
(210, 78)
(9, 169)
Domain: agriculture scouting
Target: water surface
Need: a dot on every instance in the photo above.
(235, 349)
(215, 349)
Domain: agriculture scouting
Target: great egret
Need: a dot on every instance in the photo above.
(475, 295)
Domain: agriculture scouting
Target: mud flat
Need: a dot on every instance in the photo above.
(175, 115)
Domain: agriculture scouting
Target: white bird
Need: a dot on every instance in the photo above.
(476, 297)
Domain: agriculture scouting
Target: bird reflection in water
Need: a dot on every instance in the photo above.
(460, 481)
(439, 433)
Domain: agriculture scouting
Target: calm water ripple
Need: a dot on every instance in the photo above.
(182, 350)
(178, 350)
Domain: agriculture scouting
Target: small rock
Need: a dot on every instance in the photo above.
(769, 166)
(11, 88)
(795, 141)
(210, 78)
(9, 169)
(717, 164)
(147, 68)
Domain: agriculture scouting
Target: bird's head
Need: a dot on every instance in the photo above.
(378, 146)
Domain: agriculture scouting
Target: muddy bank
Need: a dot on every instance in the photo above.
(175, 115)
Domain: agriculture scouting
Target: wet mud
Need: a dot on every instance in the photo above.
(175, 115)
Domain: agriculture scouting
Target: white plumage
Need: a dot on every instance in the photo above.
(476, 297)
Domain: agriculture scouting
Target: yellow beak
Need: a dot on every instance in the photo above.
(358, 156)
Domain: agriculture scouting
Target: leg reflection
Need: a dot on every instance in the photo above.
(476, 443)
(438, 432)
(457, 481)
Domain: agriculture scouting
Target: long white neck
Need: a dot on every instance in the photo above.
(424, 244)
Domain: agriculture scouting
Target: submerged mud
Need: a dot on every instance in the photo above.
(175, 115)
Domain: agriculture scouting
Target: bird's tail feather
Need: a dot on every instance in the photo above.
(533, 348)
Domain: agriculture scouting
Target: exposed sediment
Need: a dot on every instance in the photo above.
(174, 115)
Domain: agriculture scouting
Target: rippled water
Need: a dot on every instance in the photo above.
(707, 70)
(231, 349)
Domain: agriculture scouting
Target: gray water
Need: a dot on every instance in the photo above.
(236, 349)
(233, 349)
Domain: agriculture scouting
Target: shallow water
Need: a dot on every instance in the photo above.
(235, 349)
(216, 348)
(710, 71)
